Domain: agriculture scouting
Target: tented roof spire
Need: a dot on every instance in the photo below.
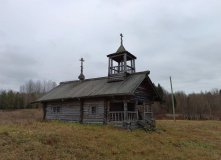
(121, 48)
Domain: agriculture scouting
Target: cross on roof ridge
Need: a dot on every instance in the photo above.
(81, 76)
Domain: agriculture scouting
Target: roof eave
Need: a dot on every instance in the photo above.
(112, 54)
(83, 97)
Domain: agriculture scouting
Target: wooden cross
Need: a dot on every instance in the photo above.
(82, 60)
(121, 38)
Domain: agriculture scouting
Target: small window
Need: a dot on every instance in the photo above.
(93, 110)
(56, 110)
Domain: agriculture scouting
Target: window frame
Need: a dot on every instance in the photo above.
(93, 110)
(55, 109)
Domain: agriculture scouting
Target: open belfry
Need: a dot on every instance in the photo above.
(123, 98)
(125, 64)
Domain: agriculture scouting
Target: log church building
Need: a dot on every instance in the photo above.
(122, 98)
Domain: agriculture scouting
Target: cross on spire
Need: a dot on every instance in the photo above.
(81, 76)
(121, 38)
(82, 60)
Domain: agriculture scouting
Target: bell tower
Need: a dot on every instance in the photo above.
(120, 64)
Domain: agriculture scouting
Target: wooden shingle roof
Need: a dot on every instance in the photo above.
(97, 87)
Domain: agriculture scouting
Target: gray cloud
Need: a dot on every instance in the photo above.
(46, 39)
(16, 67)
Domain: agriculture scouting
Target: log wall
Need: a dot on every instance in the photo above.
(88, 116)
(69, 111)
(77, 111)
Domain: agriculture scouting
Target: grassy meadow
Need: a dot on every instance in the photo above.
(51, 140)
(20, 115)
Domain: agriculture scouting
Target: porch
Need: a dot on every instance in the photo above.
(130, 116)
(129, 113)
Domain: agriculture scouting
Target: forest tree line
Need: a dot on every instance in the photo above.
(29, 92)
(203, 105)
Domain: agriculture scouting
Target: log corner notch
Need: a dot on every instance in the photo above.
(44, 111)
(105, 112)
(81, 110)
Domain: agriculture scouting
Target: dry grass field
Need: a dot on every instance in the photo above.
(20, 115)
(51, 140)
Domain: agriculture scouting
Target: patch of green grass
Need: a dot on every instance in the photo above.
(195, 143)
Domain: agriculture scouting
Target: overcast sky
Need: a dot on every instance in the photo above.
(44, 40)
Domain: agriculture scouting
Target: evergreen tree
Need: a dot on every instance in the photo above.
(4, 100)
(21, 103)
(16, 101)
(160, 91)
(11, 99)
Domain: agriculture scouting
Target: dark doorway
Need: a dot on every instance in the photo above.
(116, 107)
(131, 106)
